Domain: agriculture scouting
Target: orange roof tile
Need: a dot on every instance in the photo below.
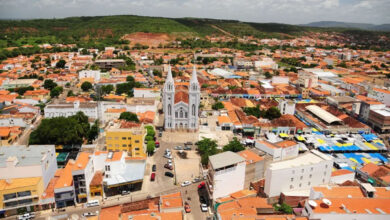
(250, 156)
(286, 143)
(181, 96)
(341, 172)
(81, 161)
(357, 205)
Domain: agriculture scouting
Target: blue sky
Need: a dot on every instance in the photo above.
(282, 11)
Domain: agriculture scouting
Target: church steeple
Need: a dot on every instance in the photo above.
(169, 85)
(194, 84)
(169, 77)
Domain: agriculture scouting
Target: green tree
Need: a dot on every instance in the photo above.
(56, 91)
(130, 79)
(150, 147)
(283, 208)
(255, 111)
(234, 146)
(86, 86)
(84, 52)
(150, 131)
(272, 113)
(217, 106)
(129, 116)
(93, 132)
(61, 64)
(268, 75)
(207, 147)
(107, 89)
(49, 84)
(70, 93)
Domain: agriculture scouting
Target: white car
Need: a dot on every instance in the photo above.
(186, 183)
(203, 207)
(168, 156)
(169, 161)
(88, 214)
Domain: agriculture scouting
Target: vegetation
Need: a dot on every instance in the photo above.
(255, 111)
(150, 138)
(49, 84)
(86, 86)
(150, 146)
(67, 131)
(217, 106)
(129, 116)
(21, 90)
(206, 148)
(270, 113)
(234, 146)
(56, 91)
(61, 64)
(107, 89)
(283, 208)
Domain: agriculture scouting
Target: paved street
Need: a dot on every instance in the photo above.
(23, 139)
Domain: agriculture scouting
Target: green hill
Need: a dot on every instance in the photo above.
(108, 30)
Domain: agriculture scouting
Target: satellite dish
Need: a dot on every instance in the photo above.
(312, 203)
(327, 202)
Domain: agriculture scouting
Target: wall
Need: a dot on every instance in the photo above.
(229, 181)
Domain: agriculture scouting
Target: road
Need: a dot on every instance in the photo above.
(23, 139)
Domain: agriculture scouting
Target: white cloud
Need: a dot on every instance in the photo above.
(284, 11)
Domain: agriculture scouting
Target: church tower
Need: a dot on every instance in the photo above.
(193, 101)
(168, 101)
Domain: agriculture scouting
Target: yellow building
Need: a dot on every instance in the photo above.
(19, 193)
(126, 139)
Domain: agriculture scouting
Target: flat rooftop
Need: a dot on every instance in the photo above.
(225, 159)
(384, 112)
(26, 156)
(308, 158)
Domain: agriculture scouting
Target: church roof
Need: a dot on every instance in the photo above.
(181, 96)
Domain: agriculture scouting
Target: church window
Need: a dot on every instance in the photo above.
(169, 110)
(186, 115)
(193, 109)
(181, 113)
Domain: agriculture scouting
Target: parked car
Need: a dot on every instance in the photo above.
(152, 176)
(169, 174)
(178, 148)
(169, 167)
(196, 180)
(169, 156)
(187, 148)
(202, 200)
(92, 203)
(154, 167)
(87, 214)
(201, 185)
(157, 144)
(186, 183)
(125, 192)
(187, 207)
(203, 207)
(26, 216)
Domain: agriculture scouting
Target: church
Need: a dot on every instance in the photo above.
(181, 104)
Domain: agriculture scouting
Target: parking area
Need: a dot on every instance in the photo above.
(186, 168)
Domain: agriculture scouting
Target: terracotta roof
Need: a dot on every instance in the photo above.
(97, 179)
(181, 96)
(341, 172)
(357, 205)
(115, 157)
(109, 213)
(171, 201)
(250, 156)
(81, 161)
(286, 143)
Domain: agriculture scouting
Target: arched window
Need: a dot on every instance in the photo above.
(181, 113)
(193, 109)
(169, 110)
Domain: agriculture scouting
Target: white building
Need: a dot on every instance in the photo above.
(147, 93)
(226, 174)
(90, 109)
(266, 63)
(286, 107)
(94, 74)
(307, 79)
(301, 173)
(25, 162)
(380, 95)
(181, 108)
(280, 150)
(280, 80)
(12, 121)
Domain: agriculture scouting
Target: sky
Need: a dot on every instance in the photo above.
(280, 11)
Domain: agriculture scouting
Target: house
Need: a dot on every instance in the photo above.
(130, 140)
(255, 166)
(68, 109)
(279, 151)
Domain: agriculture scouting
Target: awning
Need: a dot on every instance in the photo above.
(249, 130)
(283, 135)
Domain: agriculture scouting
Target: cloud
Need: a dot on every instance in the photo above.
(283, 11)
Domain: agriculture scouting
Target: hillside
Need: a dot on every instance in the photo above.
(109, 30)
(362, 26)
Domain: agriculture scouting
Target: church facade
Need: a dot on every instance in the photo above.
(181, 104)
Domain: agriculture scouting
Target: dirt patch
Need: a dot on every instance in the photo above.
(23, 29)
(149, 39)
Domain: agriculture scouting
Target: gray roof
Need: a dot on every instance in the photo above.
(225, 159)
(27, 156)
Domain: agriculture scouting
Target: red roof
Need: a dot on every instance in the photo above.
(181, 97)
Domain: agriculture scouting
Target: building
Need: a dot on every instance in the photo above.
(90, 75)
(377, 175)
(367, 105)
(226, 174)
(108, 64)
(380, 120)
(255, 166)
(82, 174)
(307, 79)
(24, 162)
(286, 107)
(147, 93)
(130, 140)
(90, 109)
(181, 108)
(20, 194)
(300, 173)
(279, 151)
(17, 83)
(64, 192)
(381, 95)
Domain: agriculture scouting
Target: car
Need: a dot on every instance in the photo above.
(157, 144)
(169, 174)
(203, 207)
(92, 203)
(187, 148)
(168, 156)
(169, 167)
(26, 216)
(186, 183)
(154, 167)
(178, 148)
(124, 192)
(202, 199)
(88, 214)
(152, 176)
(196, 180)
(187, 207)
(201, 185)
(167, 151)
(169, 161)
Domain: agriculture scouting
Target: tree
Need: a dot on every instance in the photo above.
(107, 89)
(150, 131)
(283, 208)
(49, 84)
(234, 146)
(267, 75)
(272, 113)
(86, 86)
(217, 106)
(129, 116)
(56, 91)
(84, 52)
(206, 148)
(93, 132)
(130, 79)
(255, 111)
(70, 93)
(150, 147)
(61, 64)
